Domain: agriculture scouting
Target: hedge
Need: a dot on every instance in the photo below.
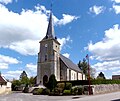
(92, 82)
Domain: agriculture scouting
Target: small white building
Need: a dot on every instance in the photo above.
(5, 86)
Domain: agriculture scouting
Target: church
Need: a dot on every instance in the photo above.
(50, 61)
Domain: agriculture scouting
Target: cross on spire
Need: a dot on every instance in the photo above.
(51, 5)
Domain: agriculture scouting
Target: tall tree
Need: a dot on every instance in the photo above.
(101, 76)
(23, 74)
(52, 82)
(23, 78)
(84, 67)
(32, 81)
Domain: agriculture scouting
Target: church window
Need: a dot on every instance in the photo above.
(74, 76)
(45, 57)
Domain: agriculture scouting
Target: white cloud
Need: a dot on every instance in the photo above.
(117, 9)
(107, 51)
(66, 55)
(31, 67)
(108, 48)
(26, 47)
(104, 66)
(66, 19)
(22, 32)
(12, 74)
(3, 65)
(6, 1)
(116, 1)
(63, 41)
(6, 60)
(96, 9)
(16, 73)
(116, 72)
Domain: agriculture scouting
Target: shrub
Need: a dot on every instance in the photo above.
(51, 93)
(74, 90)
(58, 91)
(80, 91)
(52, 82)
(77, 90)
(60, 87)
(45, 91)
(35, 91)
(68, 86)
(67, 92)
(39, 91)
(99, 81)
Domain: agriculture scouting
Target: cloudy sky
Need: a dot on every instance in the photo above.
(82, 27)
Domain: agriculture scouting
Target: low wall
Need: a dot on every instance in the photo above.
(105, 88)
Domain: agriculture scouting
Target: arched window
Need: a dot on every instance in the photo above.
(45, 57)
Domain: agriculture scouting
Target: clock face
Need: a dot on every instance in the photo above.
(45, 45)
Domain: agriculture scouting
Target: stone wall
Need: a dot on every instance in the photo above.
(105, 88)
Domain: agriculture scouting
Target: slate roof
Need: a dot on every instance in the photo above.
(50, 30)
(70, 64)
(2, 80)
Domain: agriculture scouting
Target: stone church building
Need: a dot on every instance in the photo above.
(50, 61)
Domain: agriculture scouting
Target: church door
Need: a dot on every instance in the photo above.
(45, 80)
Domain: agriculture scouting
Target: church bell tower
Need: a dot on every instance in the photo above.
(48, 56)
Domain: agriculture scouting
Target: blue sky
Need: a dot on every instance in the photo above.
(81, 26)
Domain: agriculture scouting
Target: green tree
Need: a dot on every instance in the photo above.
(23, 74)
(25, 80)
(101, 76)
(84, 67)
(32, 81)
(15, 83)
(52, 82)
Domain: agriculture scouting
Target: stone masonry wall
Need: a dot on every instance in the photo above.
(105, 88)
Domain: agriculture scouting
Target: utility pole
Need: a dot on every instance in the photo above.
(87, 57)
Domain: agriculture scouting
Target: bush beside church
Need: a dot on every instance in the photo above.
(54, 88)
(78, 87)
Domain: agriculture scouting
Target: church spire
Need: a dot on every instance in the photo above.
(50, 30)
